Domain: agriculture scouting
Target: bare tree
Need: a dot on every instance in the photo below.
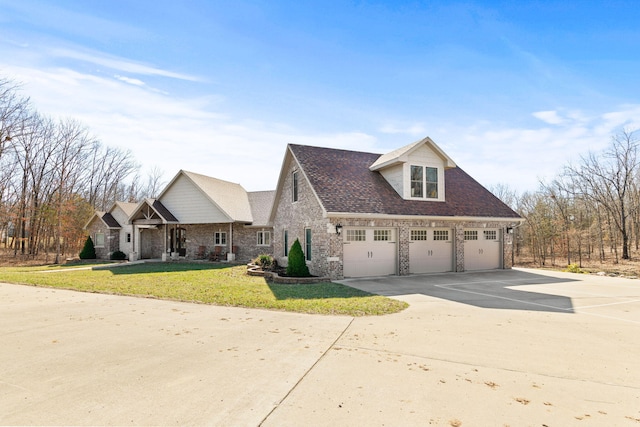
(505, 193)
(608, 179)
(14, 110)
(73, 146)
(108, 168)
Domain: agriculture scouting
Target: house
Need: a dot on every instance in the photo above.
(110, 230)
(356, 214)
(409, 211)
(195, 217)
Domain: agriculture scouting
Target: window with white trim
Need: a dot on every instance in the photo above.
(99, 240)
(470, 234)
(431, 183)
(416, 181)
(307, 244)
(285, 238)
(263, 238)
(220, 238)
(294, 186)
(424, 182)
(128, 237)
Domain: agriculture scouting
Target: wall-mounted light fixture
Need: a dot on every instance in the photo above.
(338, 229)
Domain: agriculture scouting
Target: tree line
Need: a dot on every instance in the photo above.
(53, 174)
(589, 212)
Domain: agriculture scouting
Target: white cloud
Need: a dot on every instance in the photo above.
(550, 117)
(198, 134)
(174, 133)
(129, 80)
(119, 64)
(521, 157)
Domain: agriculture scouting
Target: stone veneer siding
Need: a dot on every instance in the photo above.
(297, 216)
(151, 242)
(327, 247)
(111, 239)
(244, 240)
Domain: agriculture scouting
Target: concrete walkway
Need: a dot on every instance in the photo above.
(502, 348)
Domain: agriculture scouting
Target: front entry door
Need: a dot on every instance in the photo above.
(179, 241)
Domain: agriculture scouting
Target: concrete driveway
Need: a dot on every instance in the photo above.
(519, 347)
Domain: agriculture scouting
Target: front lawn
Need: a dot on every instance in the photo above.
(207, 283)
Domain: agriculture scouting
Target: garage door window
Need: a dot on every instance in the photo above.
(470, 234)
(381, 235)
(417, 235)
(441, 235)
(490, 235)
(356, 236)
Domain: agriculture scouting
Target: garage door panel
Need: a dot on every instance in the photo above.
(430, 251)
(482, 249)
(369, 252)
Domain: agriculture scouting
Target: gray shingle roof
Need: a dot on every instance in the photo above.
(163, 211)
(345, 184)
(230, 197)
(261, 203)
(110, 221)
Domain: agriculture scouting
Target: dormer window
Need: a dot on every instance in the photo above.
(416, 171)
(424, 182)
(432, 183)
(416, 181)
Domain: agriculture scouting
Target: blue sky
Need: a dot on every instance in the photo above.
(512, 91)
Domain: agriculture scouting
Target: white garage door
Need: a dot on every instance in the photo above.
(430, 250)
(482, 249)
(369, 252)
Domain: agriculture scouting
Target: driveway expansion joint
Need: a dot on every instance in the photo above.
(322, 356)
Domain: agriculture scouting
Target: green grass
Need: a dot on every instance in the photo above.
(206, 283)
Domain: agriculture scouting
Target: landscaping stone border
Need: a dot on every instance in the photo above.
(255, 270)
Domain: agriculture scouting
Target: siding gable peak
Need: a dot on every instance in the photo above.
(403, 155)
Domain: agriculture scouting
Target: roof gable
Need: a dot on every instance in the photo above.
(97, 215)
(402, 155)
(152, 211)
(344, 183)
(208, 199)
(126, 207)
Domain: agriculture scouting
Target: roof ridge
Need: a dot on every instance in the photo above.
(334, 149)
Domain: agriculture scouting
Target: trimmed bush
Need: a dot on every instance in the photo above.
(296, 265)
(118, 256)
(88, 251)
